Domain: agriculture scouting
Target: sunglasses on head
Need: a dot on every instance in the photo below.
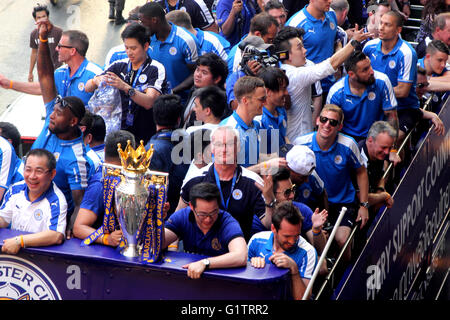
(64, 104)
(324, 120)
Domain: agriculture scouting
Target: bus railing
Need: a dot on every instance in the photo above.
(389, 172)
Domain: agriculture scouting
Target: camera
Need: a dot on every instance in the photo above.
(265, 57)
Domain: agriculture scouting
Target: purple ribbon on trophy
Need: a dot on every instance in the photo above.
(134, 199)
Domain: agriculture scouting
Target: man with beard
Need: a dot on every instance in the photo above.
(61, 134)
(284, 247)
(364, 95)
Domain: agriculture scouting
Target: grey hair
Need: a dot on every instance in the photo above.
(380, 127)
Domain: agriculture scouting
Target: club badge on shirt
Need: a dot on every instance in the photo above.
(237, 194)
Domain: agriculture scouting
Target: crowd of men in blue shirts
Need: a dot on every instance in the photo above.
(268, 121)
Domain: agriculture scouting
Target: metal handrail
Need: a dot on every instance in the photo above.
(355, 228)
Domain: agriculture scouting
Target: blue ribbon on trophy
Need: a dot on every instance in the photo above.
(134, 199)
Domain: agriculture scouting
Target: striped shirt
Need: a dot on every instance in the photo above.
(210, 42)
(9, 163)
(48, 212)
(176, 52)
(304, 254)
(73, 167)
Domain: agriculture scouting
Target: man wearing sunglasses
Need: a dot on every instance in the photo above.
(283, 190)
(337, 159)
(61, 134)
(207, 230)
(71, 78)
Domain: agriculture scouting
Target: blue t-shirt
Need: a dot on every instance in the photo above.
(271, 126)
(214, 242)
(248, 154)
(310, 191)
(400, 65)
(162, 161)
(319, 37)
(241, 22)
(93, 198)
(176, 52)
(229, 87)
(336, 165)
(212, 42)
(360, 112)
(74, 86)
(73, 166)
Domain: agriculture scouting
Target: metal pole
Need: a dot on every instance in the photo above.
(324, 253)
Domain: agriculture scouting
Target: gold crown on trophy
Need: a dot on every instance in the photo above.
(135, 160)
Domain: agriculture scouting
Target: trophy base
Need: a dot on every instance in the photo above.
(130, 251)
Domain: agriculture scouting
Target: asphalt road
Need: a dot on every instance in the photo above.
(89, 16)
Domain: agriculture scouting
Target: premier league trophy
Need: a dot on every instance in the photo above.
(139, 200)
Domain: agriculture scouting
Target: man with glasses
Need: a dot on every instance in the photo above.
(35, 206)
(337, 159)
(207, 230)
(283, 190)
(71, 78)
(310, 189)
(238, 193)
(61, 134)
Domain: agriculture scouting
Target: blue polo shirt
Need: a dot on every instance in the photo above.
(310, 191)
(336, 165)
(244, 198)
(93, 198)
(73, 166)
(162, 161)
(176, 52)
(241, 22)
(319, 37)
(211, 42)
(304, 254)
(400, 65)
(229, 85)
(214, 242)
(360, 112)
(74, 86)
(274, 127)
(248, 154)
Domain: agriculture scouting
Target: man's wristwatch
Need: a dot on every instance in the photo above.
(272, 204)
(364, 204)
(131, 92)
(354, 43)
(206, 263)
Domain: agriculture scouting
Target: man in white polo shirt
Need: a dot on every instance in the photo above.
(36, 205)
